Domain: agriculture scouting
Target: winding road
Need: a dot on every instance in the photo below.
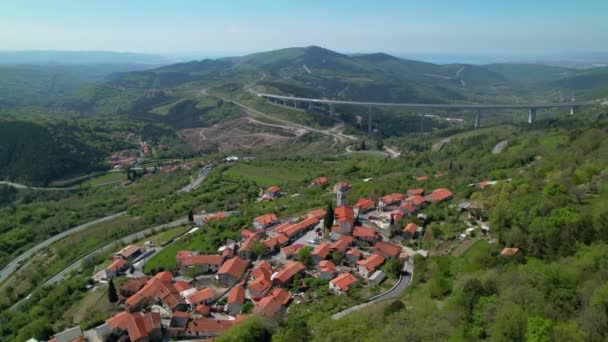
(13, 265)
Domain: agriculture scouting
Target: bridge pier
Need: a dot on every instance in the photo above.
(310, 107)
(478, 118)
(369, 119)
(572, 110)
(421, 123)
(531, 115)
(295, 104)
(331, 109)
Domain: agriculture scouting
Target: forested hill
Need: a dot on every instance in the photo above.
(38, 151)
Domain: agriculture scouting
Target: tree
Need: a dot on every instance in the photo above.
(112, 294)
(393, 268)
(304, 255)
(362, 147)
(190, 216)
(379, 144)
(329, 218)
(538, 329)
(258, 249)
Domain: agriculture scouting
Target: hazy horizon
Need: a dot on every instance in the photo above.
(438, 27)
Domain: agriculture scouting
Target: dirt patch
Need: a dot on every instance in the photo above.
(244, 132)
(463, 247)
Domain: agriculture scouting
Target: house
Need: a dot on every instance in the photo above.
(179, 320)
(206, 263)
(364, 205)
(345, 218)
(209, 327)
(368, 266)
(272, 193)
(319, 214)
(268, 306)
(376, 278)
(320, 253)
(327, 269)
(341, 187)
(236, 298)
(342, 243)
(265, 221)
(116, 267)
(509, 251)
(157, 288)
(259, 286)
(342, 283)
(283, 296)
(181, 255)
(246, 233)
(286, 274)
(231, 271)
(275, 242)
(213, 217)
(407, 209)
(131, 286)
(352, 256)
(367, 234)
(182, 286)
(417, 201)
(415, 192)
(319, 181)
(485, 184)
(289, 251)
(129, 253)
(390, 200)
(422, 178)
(412, 230)
(298, 229)
(439, 195)
(388, 250)
(246, 248)
(137, 326)
(203, 310)
(204, 296)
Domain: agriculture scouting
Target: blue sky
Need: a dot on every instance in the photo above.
(542, 27)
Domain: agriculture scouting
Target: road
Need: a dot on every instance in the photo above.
(394, 292)
(127, 239)
(73, 188)
(13, 265)
(202, 174)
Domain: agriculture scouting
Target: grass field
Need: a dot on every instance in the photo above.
(108, 177)
(166, 258)
(274, 173)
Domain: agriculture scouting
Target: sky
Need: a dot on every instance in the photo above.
(231, 27)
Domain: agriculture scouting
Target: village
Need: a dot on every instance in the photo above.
(361, 246)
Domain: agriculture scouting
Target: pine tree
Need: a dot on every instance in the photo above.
(112, 294)
(329, 217)
(363, 147)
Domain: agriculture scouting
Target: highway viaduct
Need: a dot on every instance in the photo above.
(478, 108)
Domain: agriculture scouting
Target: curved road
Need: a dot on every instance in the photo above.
(13, 265)
(73, 188)
(404, 281)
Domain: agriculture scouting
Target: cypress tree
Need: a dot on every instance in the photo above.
(112, 294)
(329, 217)
(190, 216)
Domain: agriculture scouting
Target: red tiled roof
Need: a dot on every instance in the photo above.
(201, 296)
(247, 233)
(365, 232)
(319, 213)
(387, 249)
(344, 281)
(289, 270)
(236, 295)
(281, 295)
(260, 284)
(261, 272)
(342, 244)
(365, 203)
(410, 228)
(342, 184)
(266, 219)
(422, 178)
(268, 306)
(165, 276)
(416, 200)
(235, 267)
(128, 251)
(209, 326)
(372, 262)
(407, 207)
(392, 198)
(117, 265)
(273, 189)
(344, 213)
(415, 192)
(202, 309)
(202, 260)
(354, 252)
(322, 250)
(439, 195)
(212, 217)
(397, 215)
(326, 264)
(137, 325)
(181, 255)
(134, 284)
(181, 285)
(300, 226)
(509, 251)
(248, 244)
(263, 264)
(278, 239)
(320, 181)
